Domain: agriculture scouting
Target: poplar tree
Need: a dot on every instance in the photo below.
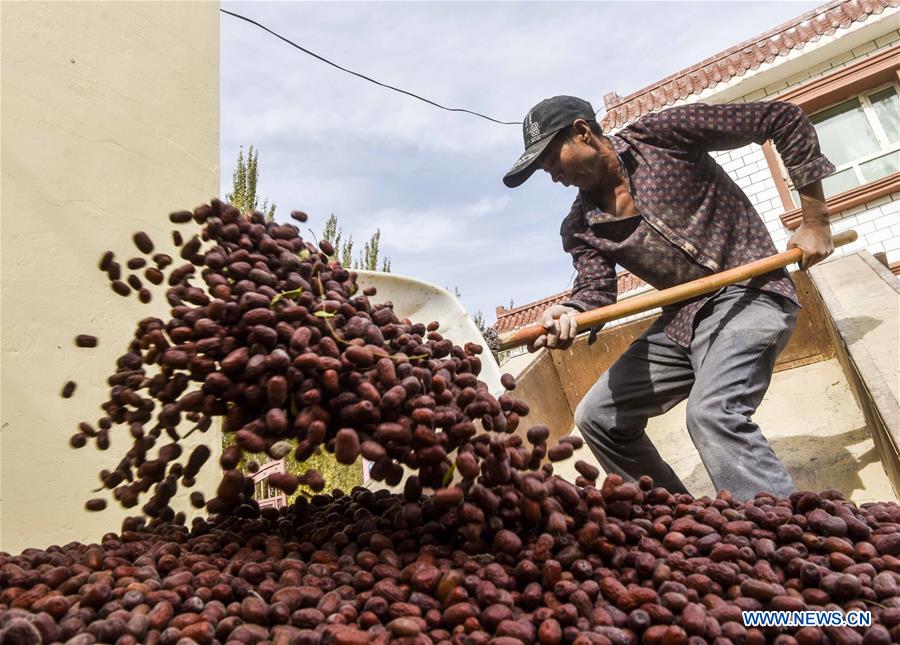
(243, 191)
(369, 257)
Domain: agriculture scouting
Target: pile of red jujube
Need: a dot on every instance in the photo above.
(484, 545)
(624, 563)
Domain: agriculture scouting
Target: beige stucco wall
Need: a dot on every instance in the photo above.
(110, 119)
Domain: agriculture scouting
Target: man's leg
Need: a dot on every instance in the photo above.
(652, 376)
(737, 337)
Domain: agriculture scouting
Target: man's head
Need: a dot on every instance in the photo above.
(563, 138)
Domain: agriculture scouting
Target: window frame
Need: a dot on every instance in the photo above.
(864, 77)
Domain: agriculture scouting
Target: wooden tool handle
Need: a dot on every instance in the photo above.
(647, 301)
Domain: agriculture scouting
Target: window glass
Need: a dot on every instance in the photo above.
(845, 133)
(881, 166)
(887, 108)
(839, 182)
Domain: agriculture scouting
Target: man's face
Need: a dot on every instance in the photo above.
(570, 160)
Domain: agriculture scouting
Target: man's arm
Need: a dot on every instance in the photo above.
(595, 286)
(703, 128)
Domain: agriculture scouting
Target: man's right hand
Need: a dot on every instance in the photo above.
(559, 321)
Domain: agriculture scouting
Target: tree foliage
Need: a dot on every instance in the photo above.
(244, 180)
(343, 248)
(369, 259)
(478, 319)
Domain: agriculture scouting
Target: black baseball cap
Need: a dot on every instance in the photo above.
(542, 122)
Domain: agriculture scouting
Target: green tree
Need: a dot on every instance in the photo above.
(478, 319)
(343, 249)
(368, 258)
(244, 179)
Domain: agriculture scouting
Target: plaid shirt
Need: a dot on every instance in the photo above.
(694, 220)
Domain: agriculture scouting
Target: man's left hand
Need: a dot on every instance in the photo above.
(815, 242)
(814, 235)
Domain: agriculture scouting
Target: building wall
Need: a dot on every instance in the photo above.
(110, 121)
(877, 222)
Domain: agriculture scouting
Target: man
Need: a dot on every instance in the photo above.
(652, 200)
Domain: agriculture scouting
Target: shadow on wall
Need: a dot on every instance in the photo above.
(816, 463)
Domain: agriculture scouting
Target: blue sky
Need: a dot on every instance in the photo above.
(429, 179)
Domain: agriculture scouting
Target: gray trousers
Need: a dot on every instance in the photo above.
(726, 371)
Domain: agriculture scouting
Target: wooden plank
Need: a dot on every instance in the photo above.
(863, 301)
(539, 386)
(581, 365)
(810, 341)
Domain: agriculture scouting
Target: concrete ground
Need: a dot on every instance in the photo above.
(814, 425)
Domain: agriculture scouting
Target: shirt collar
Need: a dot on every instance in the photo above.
(591, 213)
(619, 144)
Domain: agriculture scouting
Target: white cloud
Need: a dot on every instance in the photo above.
(488, 206)
(417, 232)
(422, 231)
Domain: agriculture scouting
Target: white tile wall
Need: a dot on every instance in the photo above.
(876, 236)
(744, 170)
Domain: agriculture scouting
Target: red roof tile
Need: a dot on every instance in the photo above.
(517, 317)
(736, 61)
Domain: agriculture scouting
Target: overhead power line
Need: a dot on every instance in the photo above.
(363, 76)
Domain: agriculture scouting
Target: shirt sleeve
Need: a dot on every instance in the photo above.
(595, 282)
(701, 127)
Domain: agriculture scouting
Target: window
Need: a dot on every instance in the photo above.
(861, 136)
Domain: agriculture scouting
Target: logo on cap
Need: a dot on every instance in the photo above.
(534, 129)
